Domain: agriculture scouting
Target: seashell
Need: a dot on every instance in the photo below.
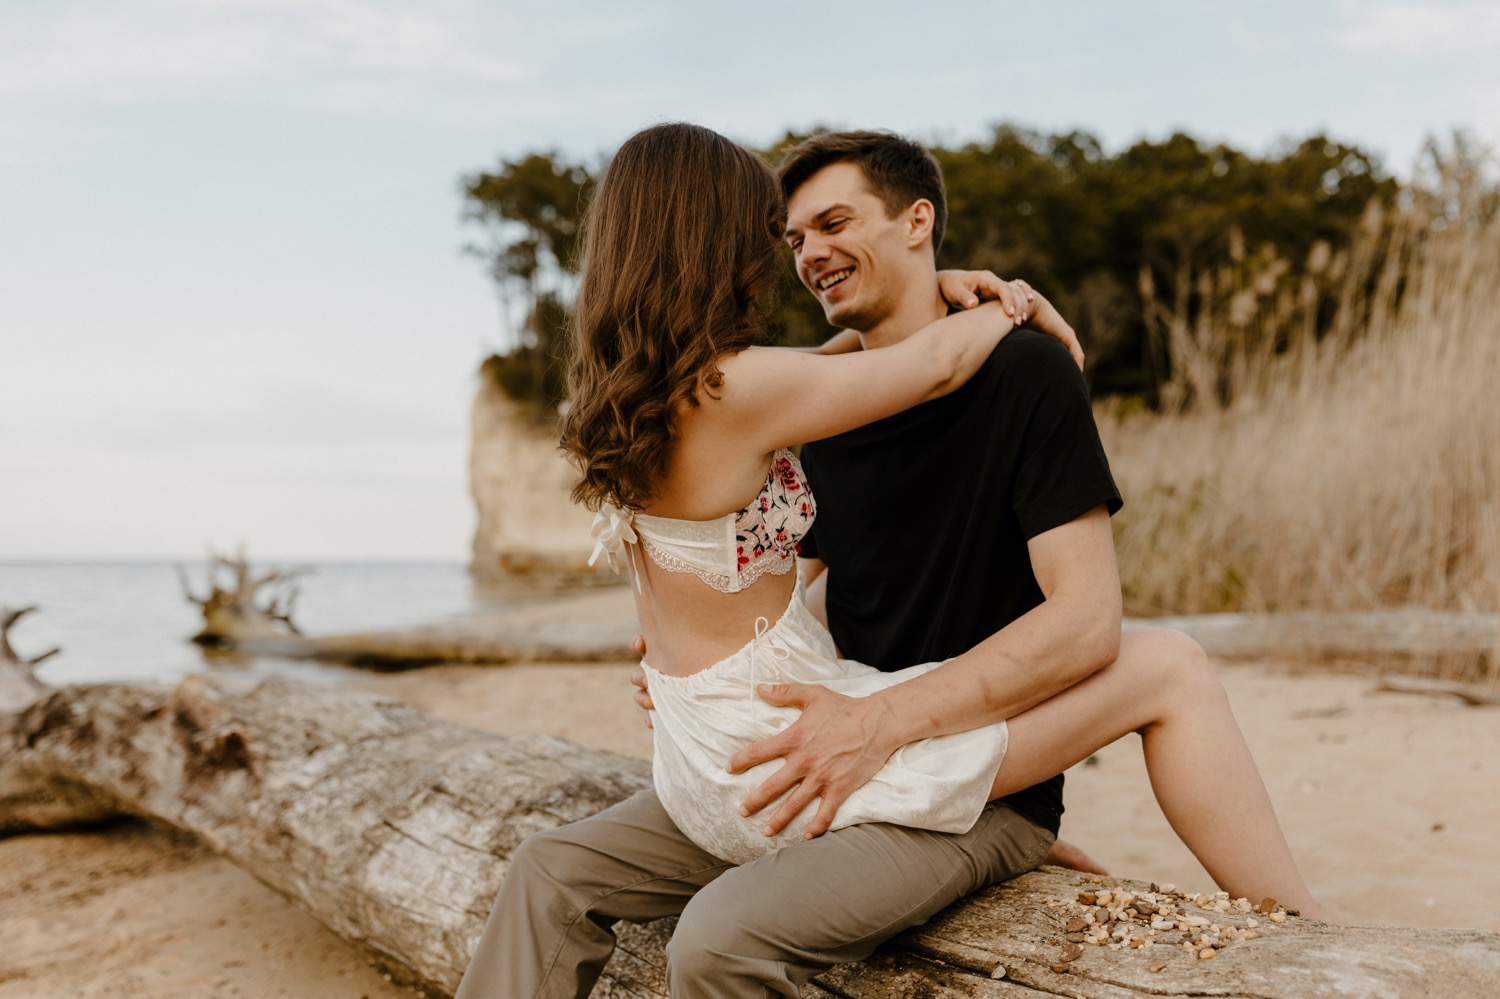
(999, 971)
(1157, 966)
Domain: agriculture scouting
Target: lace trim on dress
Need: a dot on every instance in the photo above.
(748, 573)
(728, 553)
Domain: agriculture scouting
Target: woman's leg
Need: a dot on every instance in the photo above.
(1163, 687)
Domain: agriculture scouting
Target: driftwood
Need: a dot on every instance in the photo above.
(1409, 632)
(392, 828)
(1399, 634)
(241, 606)
(18, 682)
(1467, 692)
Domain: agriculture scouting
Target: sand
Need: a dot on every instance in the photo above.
(1390, 802)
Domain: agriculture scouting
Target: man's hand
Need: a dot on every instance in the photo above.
(833, 749)
(638, 677)
(966, 289)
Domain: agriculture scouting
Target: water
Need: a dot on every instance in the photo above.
(129, 620)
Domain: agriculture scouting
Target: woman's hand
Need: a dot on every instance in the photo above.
(966, 289)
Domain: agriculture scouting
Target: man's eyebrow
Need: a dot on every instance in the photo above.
(822, 216)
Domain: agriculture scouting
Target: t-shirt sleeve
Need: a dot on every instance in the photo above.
(1061, 470)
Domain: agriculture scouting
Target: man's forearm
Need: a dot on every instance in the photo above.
(1073, 633)
(1040, 654)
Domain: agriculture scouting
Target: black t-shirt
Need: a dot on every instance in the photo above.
(923, 517)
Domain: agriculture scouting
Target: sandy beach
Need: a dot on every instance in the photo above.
(1390, 802)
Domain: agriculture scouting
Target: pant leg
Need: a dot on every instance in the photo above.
(767, 927)
(549, 933)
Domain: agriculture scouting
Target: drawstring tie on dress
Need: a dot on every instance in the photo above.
(778, 651)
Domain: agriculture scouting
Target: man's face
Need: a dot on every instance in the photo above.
(848, 252)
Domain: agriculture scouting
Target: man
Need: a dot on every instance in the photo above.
(981, 517)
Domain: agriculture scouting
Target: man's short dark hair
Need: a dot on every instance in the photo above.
(900, 171)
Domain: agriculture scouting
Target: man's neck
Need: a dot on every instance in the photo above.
(923, 304)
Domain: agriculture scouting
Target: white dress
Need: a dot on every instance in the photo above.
(941, 784)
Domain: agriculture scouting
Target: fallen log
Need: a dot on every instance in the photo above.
(1401, 632)
(1469, 693)
(392, 828)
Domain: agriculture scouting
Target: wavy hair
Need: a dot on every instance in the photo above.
(679, 262)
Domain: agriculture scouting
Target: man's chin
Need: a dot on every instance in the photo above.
(842, 315)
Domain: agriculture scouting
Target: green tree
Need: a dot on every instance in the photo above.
(530, 210)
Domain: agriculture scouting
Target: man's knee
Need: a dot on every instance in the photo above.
(549, 863)
(722, 947)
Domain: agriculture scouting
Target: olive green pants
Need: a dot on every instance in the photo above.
(760, 929)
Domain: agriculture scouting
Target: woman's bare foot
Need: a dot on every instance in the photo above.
(1064, 854)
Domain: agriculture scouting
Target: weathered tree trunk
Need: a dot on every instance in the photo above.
(18, 682)
(250, 607)
(1411, 632)
(393, 828)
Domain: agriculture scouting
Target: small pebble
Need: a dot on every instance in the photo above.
(1206, 954)
(1061, 969)
(1075, 925)
(1277, 917)
(999, 971)
(1157, 966)
(1072, 952)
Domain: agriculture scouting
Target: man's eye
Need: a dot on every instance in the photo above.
(796, 245)
(834, 225)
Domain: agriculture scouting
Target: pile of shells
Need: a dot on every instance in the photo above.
(1201, 925)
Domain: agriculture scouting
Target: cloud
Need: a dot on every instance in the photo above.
(114, 52)
(1421, 27)
(304, 415)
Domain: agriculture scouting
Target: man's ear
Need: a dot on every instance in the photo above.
(920, 216)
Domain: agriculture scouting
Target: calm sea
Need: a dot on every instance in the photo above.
(127, 620)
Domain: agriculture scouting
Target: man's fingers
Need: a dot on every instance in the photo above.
(760, 752)
(638, 645)
(771, 788)
(796, 695)
(828, 806)
(795, 802)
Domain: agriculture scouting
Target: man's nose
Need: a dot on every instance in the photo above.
(814, 250)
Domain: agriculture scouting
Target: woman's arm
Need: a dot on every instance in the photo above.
(774, 398)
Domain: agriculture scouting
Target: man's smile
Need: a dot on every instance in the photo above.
(834, 277)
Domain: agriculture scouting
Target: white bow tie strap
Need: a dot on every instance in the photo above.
(612, 530)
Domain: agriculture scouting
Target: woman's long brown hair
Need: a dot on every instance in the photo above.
(679, 262)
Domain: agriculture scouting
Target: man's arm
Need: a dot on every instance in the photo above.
(840, 742)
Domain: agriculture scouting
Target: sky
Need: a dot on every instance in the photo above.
(234, 302)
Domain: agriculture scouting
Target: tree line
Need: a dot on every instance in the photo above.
(1172, 258)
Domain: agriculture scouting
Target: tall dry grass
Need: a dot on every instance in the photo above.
(1356, 462)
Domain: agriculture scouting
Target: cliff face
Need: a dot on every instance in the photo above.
(528, 528)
